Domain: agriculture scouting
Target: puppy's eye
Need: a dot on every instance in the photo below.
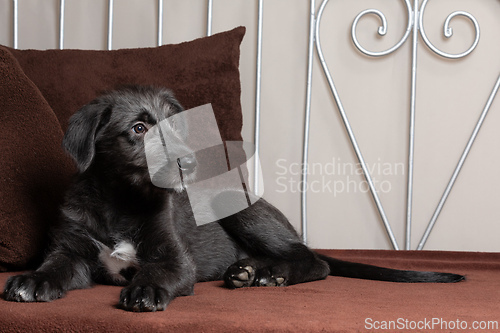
(139, 128)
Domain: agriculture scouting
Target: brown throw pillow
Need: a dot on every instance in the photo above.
(201, 71)
(34, 169)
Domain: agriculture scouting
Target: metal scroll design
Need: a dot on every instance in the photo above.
(414, 27)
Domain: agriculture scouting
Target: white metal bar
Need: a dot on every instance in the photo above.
(411, 148)
(209, 17)
(110, 24)
(305, 153)
(461, 162)
(15, 14)
(350, 131)
(61, 24)
(160, 22)
(258, 86)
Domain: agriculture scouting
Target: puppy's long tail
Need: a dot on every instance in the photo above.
(363, 271)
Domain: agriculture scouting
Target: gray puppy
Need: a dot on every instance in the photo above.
(118, 228)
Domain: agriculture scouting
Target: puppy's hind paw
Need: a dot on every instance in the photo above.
(239, 276)
(268, 280)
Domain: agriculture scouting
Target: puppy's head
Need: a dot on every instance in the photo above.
(106, 136)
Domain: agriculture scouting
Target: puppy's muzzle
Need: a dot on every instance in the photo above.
(187, 164)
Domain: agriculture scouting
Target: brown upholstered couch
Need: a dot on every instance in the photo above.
(39, 90)
(332, 305)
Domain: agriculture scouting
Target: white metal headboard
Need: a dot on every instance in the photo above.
(415, 28)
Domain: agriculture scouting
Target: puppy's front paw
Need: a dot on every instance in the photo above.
(238, 276)
(32, 287)
(143, 298)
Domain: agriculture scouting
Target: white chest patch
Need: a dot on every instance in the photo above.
(122, 256)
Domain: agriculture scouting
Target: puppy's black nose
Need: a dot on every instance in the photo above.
(187, 163)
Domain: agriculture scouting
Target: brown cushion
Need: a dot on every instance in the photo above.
(198, 72)
(34, 168)
(332, 305)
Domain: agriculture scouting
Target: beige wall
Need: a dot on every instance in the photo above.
(375, 93)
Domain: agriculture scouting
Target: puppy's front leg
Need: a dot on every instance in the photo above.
(157, 283)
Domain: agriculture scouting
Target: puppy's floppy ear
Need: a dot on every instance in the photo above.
(180, 123)
(79, 139)
(168, 96)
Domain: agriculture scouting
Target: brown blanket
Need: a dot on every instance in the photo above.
(332, 305)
